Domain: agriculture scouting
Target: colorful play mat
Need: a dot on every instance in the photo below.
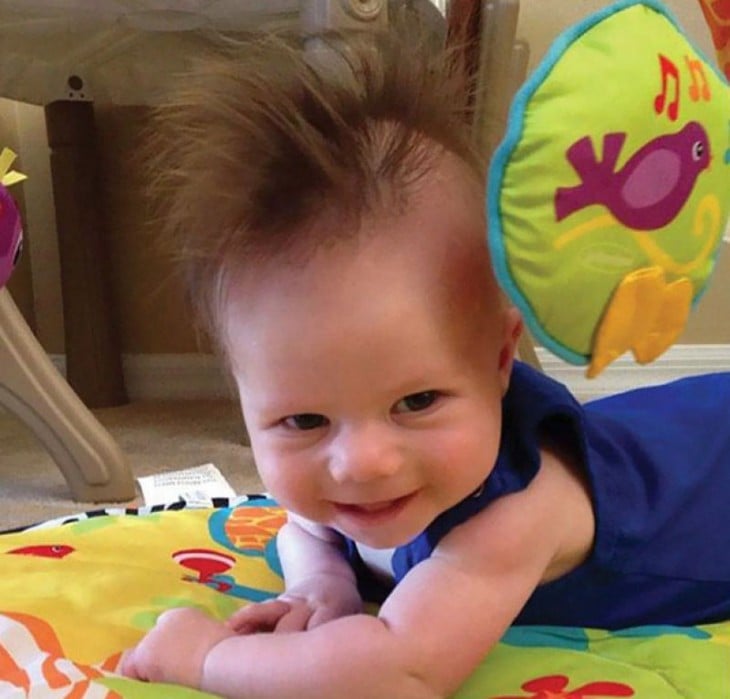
(76, 592)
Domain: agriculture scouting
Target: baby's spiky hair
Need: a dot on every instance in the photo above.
(253, 149)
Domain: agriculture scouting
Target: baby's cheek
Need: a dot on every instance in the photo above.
(289, 482)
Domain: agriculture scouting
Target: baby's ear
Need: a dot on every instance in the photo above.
(511, 333)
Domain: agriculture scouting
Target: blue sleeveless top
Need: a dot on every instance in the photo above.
(658, 465)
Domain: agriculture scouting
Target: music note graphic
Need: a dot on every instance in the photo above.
(669, 71)
(699, 88)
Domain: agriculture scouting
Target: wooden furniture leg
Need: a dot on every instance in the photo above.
(31, 387)
(93, 360)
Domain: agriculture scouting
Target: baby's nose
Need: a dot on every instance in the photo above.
(364, 454)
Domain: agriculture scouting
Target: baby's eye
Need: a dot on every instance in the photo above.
(305, 421)
(416, 401)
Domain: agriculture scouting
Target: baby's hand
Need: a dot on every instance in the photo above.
(175, 649)
(297, 610)
(275, 615)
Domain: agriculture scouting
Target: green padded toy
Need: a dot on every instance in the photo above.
(608, 197)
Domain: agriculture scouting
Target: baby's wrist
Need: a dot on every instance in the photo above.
(206, 676)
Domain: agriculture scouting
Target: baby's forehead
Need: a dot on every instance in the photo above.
(384, 298)
(362, 306)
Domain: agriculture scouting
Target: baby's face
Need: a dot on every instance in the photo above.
(371, 378)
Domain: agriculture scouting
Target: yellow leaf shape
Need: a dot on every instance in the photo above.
(645, 315)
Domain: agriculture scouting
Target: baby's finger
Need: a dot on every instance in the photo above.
(296, 619)
(321, 616)
(127, 665)
(258, 617)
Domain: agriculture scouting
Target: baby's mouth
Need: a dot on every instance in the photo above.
(375, 511)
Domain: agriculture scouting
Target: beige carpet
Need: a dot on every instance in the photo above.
(156, 436)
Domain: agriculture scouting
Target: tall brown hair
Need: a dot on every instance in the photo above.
(254, 148)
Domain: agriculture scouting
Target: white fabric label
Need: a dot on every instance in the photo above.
(197, 486)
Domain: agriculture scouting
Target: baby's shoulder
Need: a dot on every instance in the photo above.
(551, 520)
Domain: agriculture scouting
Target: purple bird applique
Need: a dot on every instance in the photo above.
(649, 190)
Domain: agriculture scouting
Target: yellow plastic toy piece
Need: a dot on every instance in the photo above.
(646, 315)
(9, 177)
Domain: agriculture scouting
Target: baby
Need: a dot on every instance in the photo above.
(329, 212)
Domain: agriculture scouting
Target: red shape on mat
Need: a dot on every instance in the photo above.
(555, 687)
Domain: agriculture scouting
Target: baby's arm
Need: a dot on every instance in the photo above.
(463, 597)
(320, 585)
(453, 600)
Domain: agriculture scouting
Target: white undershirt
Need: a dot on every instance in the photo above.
(378, 561)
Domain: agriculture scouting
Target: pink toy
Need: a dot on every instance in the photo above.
(11, 235)
(11, 230)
